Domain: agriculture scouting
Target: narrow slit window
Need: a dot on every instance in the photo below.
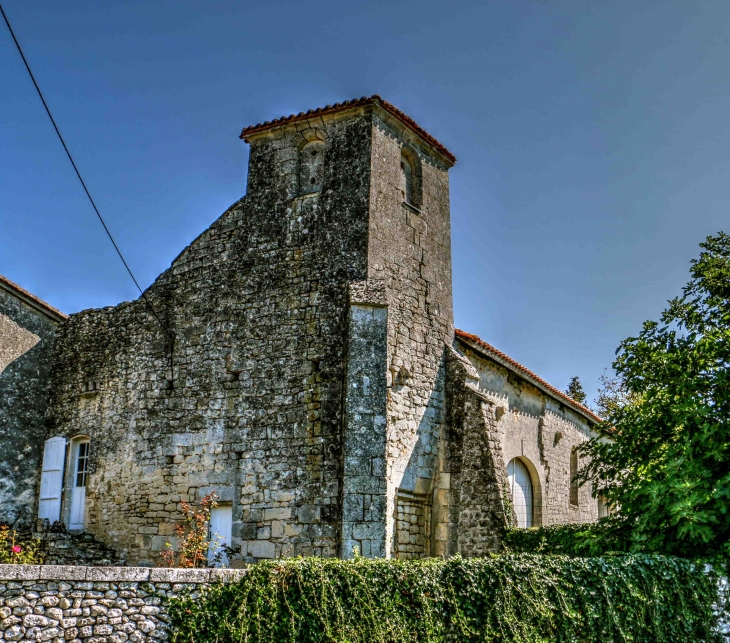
(311, 167)
(573, 474)
(407, 179)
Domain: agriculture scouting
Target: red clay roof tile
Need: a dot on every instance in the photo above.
(525, 371)
(24, 294)
(348, 104)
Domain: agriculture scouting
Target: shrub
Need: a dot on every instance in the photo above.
(590, 539)
(510, 598)
(16, 550)
(193, 536)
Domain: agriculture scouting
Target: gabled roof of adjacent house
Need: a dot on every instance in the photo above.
(350, 104)
(31, 300)
(498, 356)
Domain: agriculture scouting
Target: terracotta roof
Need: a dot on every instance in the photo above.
(349, 104)
(32, 300)
(530, 376)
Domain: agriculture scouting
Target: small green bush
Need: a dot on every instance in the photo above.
(510, 598)
(16, 550)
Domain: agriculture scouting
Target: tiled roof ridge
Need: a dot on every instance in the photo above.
(10, 285)
(491, 349)
(347, 104)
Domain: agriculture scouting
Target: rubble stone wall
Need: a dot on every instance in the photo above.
(64, 604)
(542, 432)
(471, 507)
(258, 304)
(26, 349)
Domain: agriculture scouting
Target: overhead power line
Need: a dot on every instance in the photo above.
(170, 333)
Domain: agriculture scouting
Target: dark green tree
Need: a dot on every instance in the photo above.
(667, 464)
(575, 390)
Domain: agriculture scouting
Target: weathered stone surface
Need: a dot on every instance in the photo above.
(541, 430)
(27, 330)
(301, 362)
(114, 609)
(20, 572)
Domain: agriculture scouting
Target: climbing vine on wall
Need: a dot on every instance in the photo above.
(510, 598)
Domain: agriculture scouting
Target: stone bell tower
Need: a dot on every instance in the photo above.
(379, 182)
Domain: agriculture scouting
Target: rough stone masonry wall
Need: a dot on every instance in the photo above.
(258, 304)
(410, 251)
(26, 349)
(99, 605)
(471, 509)
(542, 432)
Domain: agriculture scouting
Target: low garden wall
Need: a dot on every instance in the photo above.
(65, 604)
(510, 598)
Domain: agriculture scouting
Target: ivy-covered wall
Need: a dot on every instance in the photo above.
(510, 598)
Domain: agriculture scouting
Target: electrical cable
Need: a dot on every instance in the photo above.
(169, 333)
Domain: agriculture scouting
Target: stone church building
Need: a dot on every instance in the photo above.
(299, 358)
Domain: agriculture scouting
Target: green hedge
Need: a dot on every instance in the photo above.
(512, 597)
(589, 539)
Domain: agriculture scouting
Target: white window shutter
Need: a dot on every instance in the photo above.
(54, 455)
(221, 526)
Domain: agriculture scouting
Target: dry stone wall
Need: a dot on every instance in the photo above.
(94, 604)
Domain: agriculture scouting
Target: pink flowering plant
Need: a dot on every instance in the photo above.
(15, 550)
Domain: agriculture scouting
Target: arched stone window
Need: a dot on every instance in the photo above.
(410, 177)
(520, 484)
(311, 166)
(573, 474)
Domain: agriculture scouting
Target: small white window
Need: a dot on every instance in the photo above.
(221, 526)
(54, 455)
(520, 484)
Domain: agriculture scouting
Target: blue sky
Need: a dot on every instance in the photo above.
(592, 141)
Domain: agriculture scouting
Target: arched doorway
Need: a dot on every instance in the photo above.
(520, 484)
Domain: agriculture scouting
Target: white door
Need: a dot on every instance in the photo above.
(520, 485)
(221, 525)
(54, 455)
(80, 460)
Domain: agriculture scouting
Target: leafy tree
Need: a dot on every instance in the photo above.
(612, 394)
(575, 390)
(667, 465)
